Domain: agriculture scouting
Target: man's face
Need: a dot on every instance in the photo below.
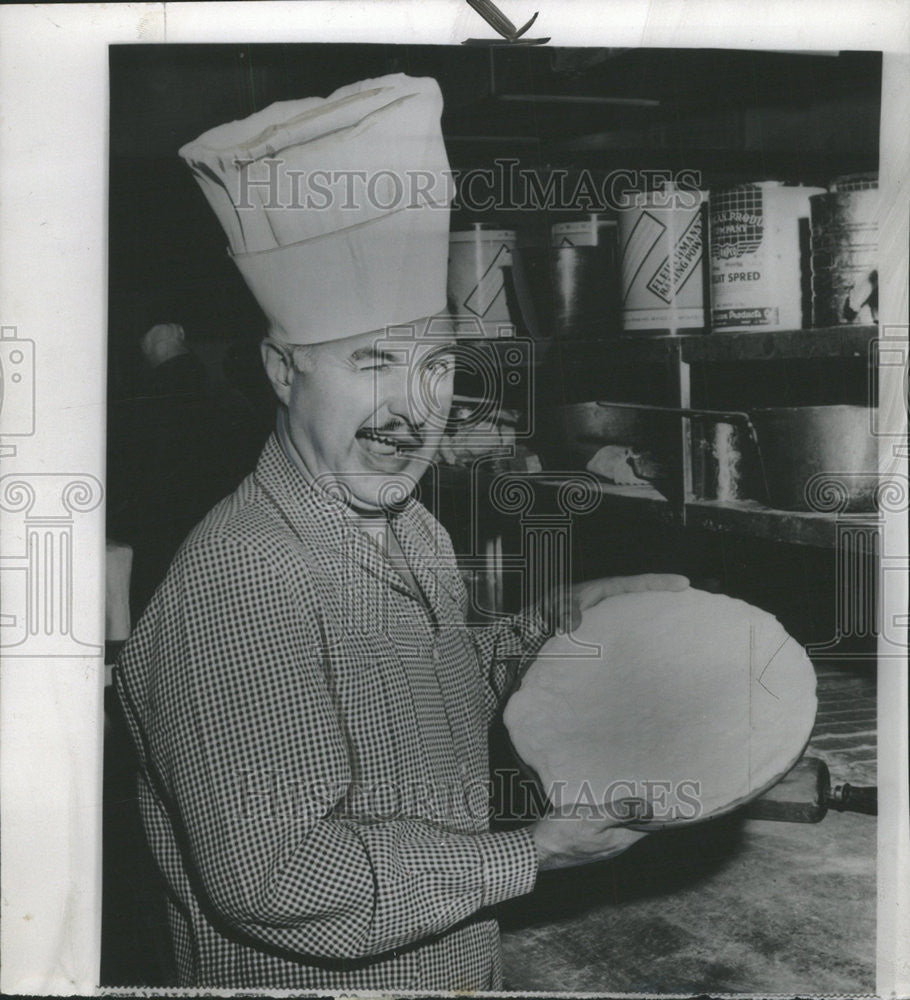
(368, 412)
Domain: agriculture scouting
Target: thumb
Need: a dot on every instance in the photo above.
(624, 812)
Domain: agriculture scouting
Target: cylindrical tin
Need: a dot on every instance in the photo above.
(822, 458)
(661, 251)
(595, 230)
(476, 285)
(854, 182)
(759, 257)
(585, 287)
(845, 256)
(723, 460)
(584, 276)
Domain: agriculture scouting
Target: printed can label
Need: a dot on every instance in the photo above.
(662, 252)
(759, 262)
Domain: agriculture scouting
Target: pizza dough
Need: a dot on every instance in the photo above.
(697, 702)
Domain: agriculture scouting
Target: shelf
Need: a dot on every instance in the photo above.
(748, 517)
(697, 348)
(629, 501)
(744, 517)
(621, 349)
(776, 345)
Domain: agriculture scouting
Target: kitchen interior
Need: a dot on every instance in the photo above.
(663, 420)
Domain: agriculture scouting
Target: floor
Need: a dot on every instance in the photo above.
(736, 905)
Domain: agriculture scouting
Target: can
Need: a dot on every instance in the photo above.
(584, 277)
(844, 244)
(661, 262)
(596, 230)
(760, 256)
(723, 460)
(855, 182)
(476, 284)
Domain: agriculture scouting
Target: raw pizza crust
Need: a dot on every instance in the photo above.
(703, 696)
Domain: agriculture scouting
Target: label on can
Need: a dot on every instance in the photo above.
(757, 256)
(662, 251)
(476, 284)
(845, 257)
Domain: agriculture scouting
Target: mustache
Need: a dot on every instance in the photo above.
(397, 431)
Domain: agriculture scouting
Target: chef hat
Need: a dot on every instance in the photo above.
(336, 209)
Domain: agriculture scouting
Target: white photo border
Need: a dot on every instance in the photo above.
(53, 302)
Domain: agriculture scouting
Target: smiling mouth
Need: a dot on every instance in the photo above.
(389, 444)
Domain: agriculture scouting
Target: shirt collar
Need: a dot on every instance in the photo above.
(328, 523)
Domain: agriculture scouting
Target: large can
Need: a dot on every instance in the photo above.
(594, 231)
(661, 259)
(845, 252)
(584, 278)
(476, 284)
(760, 257)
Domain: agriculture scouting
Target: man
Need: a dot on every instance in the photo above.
(309, 707)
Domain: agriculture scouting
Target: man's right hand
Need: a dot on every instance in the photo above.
(579, 835)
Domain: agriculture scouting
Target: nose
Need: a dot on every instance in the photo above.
(399, 397)
(420, 397)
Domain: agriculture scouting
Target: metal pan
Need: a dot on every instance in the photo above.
(801, 458)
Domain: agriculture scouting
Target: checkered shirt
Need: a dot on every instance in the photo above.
(313, 750)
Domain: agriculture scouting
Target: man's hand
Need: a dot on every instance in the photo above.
(580, 835)
(562, 609)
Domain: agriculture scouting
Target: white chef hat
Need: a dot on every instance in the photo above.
(336, 209)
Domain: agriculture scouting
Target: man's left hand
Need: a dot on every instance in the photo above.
(562, 609)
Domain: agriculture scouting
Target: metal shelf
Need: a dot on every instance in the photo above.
(744, 517)
(829, 342)
(697, 348)
(748, 517)
(629, 501)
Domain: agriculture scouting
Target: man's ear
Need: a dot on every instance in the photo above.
(278, 370)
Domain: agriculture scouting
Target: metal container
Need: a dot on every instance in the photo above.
(805, 458)
(845, 255)
(822, 458)
(661, 257)
(801, 458)
(476, 283)
(595, 230)
(568, 292)
(759, 257)
(585, 290)
(724, 460)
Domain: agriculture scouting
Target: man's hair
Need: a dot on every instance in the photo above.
(302, 355)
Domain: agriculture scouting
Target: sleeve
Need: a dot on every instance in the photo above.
(255, 762)
(505, 649)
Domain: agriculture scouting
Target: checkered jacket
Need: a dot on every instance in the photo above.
(313, 750)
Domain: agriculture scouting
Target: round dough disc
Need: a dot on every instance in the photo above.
(697, 702)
